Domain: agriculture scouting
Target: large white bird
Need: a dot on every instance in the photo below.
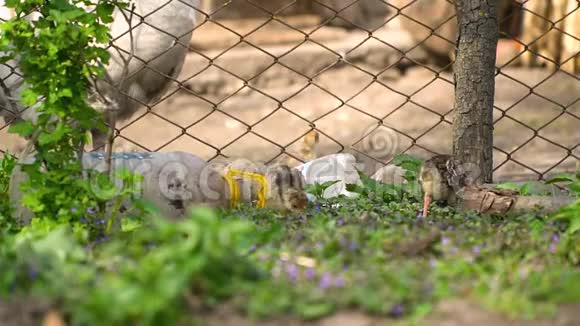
(149, 45)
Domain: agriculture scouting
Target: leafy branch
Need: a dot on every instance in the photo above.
(60, 53)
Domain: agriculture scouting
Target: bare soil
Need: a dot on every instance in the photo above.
(447, 313)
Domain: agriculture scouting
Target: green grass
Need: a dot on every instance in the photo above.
(370, 253)
(383, 259)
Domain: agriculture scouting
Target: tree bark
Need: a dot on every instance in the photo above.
(474, 71)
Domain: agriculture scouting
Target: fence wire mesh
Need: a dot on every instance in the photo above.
(372, 77)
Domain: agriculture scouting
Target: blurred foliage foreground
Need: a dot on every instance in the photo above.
(371, 253)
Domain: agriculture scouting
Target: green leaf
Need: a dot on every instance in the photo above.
(565, 177)
(5, 57)
(315, 310)
(52, 50)
(508, 186)
(104, 12)
(29, 97)
(66, 92)
(352, 187)
(102, 187)
(408, 162)
(575, 188)
(574, 224)
(102, 34)
(54, 137)
(526, 189)
(22, 128)
(568, 212)
(32, 201)
(328, 184)
(11, 3)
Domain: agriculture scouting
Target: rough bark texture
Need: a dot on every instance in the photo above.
(474, 71)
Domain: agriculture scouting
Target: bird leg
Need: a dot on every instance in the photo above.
(427, 199)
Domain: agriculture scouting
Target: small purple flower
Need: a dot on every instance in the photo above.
(420, 214)
(397, 311)
(300, 237)
(339, 282)
(317, 207)
(476, 250)
(32, 273)
(73, 210)
(450, 228)
(325, 281)
(253, 248)
(445, 241)
(100, 221)
(310, 273)
(340, 222)
(552, 248)
(91, 210)
(292, 272)
(555, 238)
(352, 246)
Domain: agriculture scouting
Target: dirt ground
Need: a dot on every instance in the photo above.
(447, 313)
(256, 107)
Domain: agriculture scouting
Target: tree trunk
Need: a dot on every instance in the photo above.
(474, 72)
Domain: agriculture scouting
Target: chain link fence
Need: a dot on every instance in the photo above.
(372, 77)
